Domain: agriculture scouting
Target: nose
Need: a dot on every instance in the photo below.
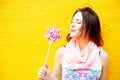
(72, 25)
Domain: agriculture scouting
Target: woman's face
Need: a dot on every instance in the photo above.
(76, 25)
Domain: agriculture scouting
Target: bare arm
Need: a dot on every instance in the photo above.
(104, 61)
(57, 70)
(44, 72)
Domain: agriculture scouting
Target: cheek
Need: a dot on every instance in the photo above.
(79, 27)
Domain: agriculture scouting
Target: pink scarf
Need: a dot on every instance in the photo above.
(75, 58)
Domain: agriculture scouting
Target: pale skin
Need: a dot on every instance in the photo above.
(75, 27)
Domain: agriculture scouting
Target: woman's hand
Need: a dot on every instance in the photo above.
(44, 73)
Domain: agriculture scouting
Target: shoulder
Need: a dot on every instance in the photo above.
(60, 53)
(60, 50)
(104, 57)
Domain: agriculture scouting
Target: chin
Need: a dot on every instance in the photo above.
(73, 35)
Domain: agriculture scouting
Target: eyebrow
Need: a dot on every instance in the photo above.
(78, 20)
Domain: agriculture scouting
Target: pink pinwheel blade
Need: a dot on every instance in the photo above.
(53, 35)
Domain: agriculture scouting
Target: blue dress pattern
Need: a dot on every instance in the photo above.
(79, 74)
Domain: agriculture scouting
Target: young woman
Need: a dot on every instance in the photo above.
(83, 57)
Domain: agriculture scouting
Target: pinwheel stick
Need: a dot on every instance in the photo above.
(46, 58)
(53, 36)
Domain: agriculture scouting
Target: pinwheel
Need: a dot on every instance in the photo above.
(53, 35)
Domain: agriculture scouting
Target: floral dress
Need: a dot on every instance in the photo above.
(77, 74)
(93, 73)
(81, 64)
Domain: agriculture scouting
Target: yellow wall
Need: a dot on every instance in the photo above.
(23, 25)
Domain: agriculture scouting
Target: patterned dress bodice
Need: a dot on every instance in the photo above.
(93, 73)
(79, 74)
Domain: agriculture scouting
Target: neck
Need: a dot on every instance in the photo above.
(82, 41)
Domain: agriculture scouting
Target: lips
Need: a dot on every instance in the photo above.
(72, 30)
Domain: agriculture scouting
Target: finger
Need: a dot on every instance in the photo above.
(46, 66)
(42, 73)
(41, 70)
(41, 76)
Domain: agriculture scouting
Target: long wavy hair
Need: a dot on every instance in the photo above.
(91, 25)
